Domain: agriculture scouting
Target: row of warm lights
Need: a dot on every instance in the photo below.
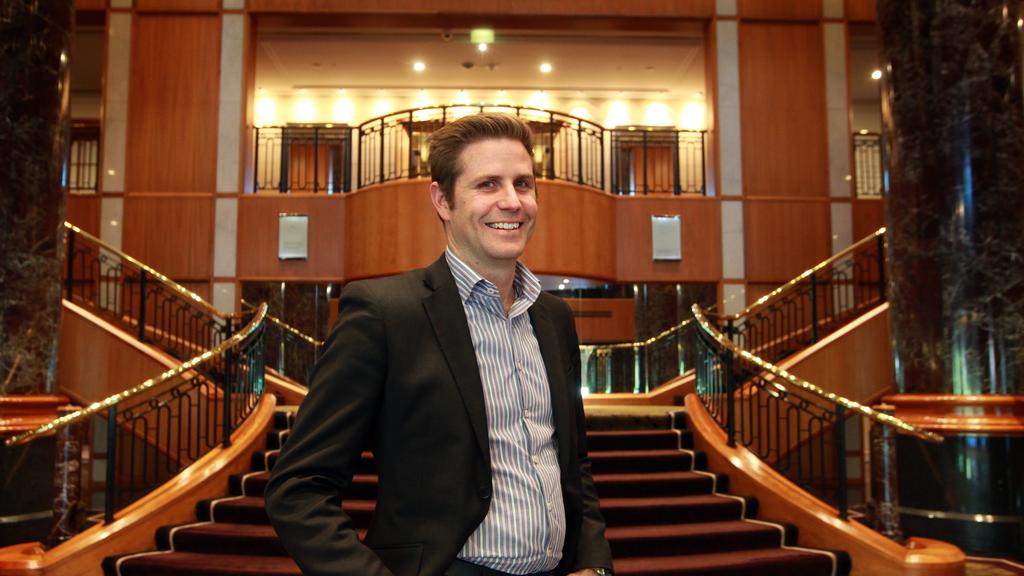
(618, 112)
(420, 66)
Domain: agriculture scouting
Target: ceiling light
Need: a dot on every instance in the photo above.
(863, 131)
(481, 36)
(565, 280)
(545, 68)
(482, 46)
(876, 75)
(419, 66)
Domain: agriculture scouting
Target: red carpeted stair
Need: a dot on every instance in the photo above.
(666, 516)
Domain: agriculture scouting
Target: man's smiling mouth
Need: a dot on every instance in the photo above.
(504, 225)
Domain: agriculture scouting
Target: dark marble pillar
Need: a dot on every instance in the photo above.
(34, 53)
(953, 124)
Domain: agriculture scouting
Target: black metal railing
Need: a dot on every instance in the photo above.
(289, 351)
(138, 298)
(797, 428)
(154, 430)
(313, 158)
(82, 166)
(649, 160)
(395, 146)
(868, 164)
(814, 304)
(638, 367)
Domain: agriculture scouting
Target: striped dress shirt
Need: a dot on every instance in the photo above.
(524, 528)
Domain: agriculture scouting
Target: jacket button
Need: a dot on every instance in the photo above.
(484, 493)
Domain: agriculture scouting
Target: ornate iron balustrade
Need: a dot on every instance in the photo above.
(154, 430)
(138, 298)
(650, 160)
(395, 147)
(797, 428)
(868, 164)
(638, 367)
(289, 351)
(814, 304)
(82, 167)
(315, 158)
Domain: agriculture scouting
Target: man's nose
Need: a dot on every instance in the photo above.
(509, 198)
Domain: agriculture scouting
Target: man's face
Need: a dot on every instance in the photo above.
(495, 204)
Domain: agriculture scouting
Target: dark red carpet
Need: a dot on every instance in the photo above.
(666, 516)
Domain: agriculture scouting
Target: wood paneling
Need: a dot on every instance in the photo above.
(604, 320)
(389, 229)
(82, 5)
(987, 414)
(861, 10)
(776, 10)
(172, 104)
(783, 238)
(755, 291)
(689, 9)
(575, 232)
(701, 224)
(178, 5)
(83, 210)
(868, 216)
(172, 233)
(782, 107)
(258, 238)
(98, 359)
(21, 413)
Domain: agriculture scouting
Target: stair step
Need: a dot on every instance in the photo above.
(673, 483)
(637, 440)
(672, 510)
(364, 486)
(758, 562)
(251, 510)
(698, 538)
(617, 461)
(223, 538)
(194, 563)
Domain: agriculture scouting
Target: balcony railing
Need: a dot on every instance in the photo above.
(395, 146)
(649, 160)
(82, 167)
(868, 164)
(314, 159)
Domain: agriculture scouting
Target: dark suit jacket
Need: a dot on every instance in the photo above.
(399, 375)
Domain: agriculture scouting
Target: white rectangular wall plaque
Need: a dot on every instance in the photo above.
(292, 236)
(666, 238)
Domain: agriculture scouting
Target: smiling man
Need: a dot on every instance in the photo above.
(463, 380)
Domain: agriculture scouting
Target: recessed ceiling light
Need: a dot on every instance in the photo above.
(863, 131)
(876, 75)
(482, 46)
(545, 68)
(419, 66)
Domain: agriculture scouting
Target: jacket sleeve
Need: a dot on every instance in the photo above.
(332, 427)
(593, 550)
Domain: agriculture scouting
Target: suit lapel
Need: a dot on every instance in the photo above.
(448, 319)
(547, 339)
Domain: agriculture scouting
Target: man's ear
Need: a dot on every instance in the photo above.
(440, 202)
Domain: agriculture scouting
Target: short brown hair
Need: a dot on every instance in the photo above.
(447, 144)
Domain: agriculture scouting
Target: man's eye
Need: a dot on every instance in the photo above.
(524, 184)
(487, 184)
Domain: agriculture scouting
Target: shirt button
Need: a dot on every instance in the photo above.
(549, 504)
(535, 459)
(526, 414)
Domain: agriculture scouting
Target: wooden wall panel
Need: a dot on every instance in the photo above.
(701, 244)
(83, 210)
(861, 10)
(782, 109)
(755, 291)
(172, 104)
(82, 5)
(575, 232)
(868, 216)
(604, 320)
(776, 10)
(258, 238)
(172, 233)
(783, 238)
(690, 9)
(390, 228)
(178, 5)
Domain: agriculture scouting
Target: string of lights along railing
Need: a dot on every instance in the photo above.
(633, 160)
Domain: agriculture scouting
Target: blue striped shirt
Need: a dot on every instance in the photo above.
(524, 528)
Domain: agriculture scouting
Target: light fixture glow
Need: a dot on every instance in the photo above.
(539, 99)
(545, 68)
(876, 75)
(863, 131)
(618, 115)
(481, 36)
(419, 66)
(266, 112)
(305, 110)
(343, 111)
(482, 46)
(657, 114)
(694, 116)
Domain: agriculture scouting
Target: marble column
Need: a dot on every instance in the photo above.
(953, 126)
(34, 53)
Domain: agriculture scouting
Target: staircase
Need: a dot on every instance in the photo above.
(666, 515)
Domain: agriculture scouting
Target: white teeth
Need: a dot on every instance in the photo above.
(504, 225)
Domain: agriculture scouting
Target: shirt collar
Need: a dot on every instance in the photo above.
(525, 285)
